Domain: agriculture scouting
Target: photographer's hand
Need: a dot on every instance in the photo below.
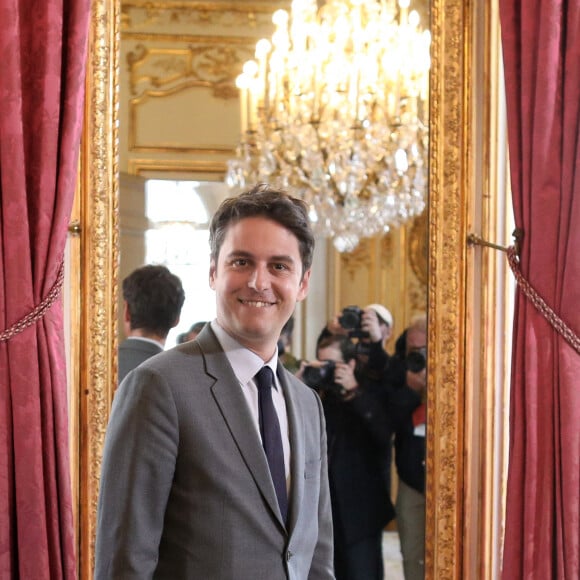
(298, 374)
(344, 376)
(370, 324)
(334, 327)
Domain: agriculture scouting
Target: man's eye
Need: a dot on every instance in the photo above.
(280, 267)
(240, 262)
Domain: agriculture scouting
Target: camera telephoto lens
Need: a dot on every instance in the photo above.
(416, 360)
(318, 377)
(321, 378)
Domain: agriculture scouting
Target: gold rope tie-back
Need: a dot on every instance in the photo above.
(39, 311)
(539, 303)
(557, 323)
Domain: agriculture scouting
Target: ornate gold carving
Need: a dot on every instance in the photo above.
(449, 118)
(417, 298)
(99, 260)
(387, 250)
(146, 14)
(360, 257)
(418, 248)
(157, 72)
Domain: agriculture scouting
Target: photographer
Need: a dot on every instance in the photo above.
(368, 329)
(407, 375)
(358, 436)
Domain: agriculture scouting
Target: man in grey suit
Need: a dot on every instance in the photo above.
(152, 302)
(187, 488)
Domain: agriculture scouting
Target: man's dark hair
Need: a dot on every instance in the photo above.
(343, 342)
(197, 327)
(274, 204)
(154, 297)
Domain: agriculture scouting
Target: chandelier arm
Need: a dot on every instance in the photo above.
(302, 175)
(324, 153)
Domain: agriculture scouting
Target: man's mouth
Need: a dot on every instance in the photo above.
(257, 303)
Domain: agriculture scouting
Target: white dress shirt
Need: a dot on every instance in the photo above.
(245, 365)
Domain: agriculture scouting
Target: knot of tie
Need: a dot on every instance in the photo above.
(264, 378)
(271, 436)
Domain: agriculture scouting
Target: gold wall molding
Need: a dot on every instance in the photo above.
(98, 203)
(177, 55)
(387, 250)
(146, 14)
(418, 248)
(359, 258)
(449, 180)
(161, 71)
(179, 70)
(193, 168)
(417, 297)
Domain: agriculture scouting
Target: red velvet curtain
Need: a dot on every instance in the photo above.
(541, 45)
(43, 51)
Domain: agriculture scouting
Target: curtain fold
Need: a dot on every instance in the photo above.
(541, 50)
(43, 47)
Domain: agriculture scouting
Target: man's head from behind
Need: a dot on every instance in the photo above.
(416, 334)
(385, 319)
(153, 300)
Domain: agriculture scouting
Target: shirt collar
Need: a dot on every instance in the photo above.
(145, 339)
(243, 361)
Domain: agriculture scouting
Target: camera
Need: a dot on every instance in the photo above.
(416, 360)
(351, 320)
(321, 377)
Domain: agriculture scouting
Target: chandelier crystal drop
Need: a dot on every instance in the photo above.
(334, 109)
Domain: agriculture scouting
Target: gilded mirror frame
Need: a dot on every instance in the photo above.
(450, 180)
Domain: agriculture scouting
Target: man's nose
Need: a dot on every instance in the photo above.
(259, 278)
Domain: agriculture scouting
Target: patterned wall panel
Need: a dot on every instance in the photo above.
(179, 106)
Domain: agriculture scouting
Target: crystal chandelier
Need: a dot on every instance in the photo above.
(334, 108)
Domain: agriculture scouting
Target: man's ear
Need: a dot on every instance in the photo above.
(352, 363)
(126, 313)
(304, 286)
(212, 270)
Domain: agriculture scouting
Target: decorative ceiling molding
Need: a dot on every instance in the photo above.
(143, 15)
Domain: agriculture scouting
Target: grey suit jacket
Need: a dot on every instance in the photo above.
(186, 492)
(132, 352)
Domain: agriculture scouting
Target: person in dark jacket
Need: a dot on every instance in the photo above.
(358, 436)
(407, 411)
(152, 302)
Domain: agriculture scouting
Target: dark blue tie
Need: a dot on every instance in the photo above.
(271, 437)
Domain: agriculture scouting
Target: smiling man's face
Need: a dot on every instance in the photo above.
(258, 280)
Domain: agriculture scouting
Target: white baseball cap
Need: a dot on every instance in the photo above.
(383, 313)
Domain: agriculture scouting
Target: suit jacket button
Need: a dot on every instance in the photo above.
(289, 555)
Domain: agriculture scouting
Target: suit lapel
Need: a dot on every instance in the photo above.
(230, 399)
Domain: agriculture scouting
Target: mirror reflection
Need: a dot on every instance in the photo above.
(182, 120)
